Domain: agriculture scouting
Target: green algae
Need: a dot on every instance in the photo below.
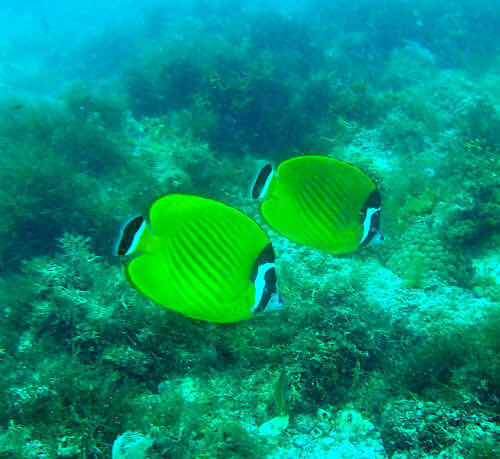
(393, 330)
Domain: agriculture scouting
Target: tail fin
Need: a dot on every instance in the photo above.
(262, 180)
(129, 235)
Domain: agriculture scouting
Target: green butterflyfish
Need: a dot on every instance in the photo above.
(320, 202)
(201, 258)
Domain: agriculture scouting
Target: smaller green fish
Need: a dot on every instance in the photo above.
(320, 202)
(281, 393)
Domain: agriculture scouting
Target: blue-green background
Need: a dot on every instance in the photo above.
(392, 351)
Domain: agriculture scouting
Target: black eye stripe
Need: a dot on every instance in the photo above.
(128, 233)
(260, 181)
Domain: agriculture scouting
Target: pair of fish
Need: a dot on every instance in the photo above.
(211, 262)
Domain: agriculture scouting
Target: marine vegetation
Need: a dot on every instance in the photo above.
(250, 152)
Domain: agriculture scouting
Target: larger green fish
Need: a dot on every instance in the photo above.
(201, 258)
(320, 202)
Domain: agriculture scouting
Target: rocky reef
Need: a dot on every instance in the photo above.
(391, 351)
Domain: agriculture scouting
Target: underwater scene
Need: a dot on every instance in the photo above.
(264, 229)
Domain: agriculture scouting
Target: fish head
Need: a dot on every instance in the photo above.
(371, 220)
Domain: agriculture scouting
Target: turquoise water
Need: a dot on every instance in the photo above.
(388, 351)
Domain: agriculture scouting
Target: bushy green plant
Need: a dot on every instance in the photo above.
(85, 358)
(237, 99)
(39, 195)
(166, 82)
(482, 121)
(481, 372)
(53, 158)
(474, 218)
(431, 361)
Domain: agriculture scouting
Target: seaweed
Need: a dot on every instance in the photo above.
(393, 331)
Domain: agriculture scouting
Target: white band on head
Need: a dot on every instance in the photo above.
(266, 172)
(137, 237)
(266, 185)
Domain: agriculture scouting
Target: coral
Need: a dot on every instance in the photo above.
(432, 428)
(327, 433)
(486, 277)
(421, 258)
(392, 350)
(131, 445)
(274, 426)
(416, 207)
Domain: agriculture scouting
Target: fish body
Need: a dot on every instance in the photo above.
(320, 202)
(201, 258)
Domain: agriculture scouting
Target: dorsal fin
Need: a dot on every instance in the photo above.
(261, 183)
